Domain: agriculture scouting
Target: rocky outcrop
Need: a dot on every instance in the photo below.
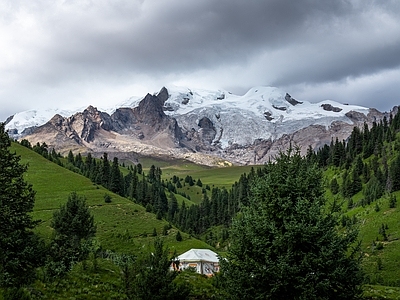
(8, 120)
(357, 117)
(329, 107)
(291, 100)
(283, 108)
(163, 95)
(124, 119)
(207, 130)
(268, 115)
(87, 123)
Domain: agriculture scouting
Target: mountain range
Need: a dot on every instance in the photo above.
(206, 127)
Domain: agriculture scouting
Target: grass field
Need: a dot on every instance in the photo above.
(122, 225)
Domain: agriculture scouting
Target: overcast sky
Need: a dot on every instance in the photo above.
(72, 53)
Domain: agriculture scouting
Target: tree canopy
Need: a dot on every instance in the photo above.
(152, 277)
(74, 219)
(285, 245)
(73, 228)
(19, 246)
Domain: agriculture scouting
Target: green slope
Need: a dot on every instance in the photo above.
(122, 225)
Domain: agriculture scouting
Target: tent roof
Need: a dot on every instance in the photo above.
(199, 255)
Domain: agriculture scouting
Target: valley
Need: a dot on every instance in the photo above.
(139, 197)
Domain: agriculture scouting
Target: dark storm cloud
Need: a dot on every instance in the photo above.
(184, 35)
(178, 36)
(63, 48)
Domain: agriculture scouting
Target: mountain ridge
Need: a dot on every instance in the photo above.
(207, 127)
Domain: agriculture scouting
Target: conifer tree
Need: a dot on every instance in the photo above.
(179, 237)
(139, 168)
(116, 178)
(70, 157)
(133, 185)
(74, 219)
(19, 247)
(73, 225)
(152, 277)
(152, 174)
(334, 186)
(172, 207)
(105, 171)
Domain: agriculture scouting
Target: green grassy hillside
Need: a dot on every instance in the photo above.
(122, 225)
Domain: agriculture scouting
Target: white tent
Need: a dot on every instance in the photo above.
(204, 261)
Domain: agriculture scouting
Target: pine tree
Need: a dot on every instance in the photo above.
(172, 207)
(284, 245)
(334, 186)
(74, 219)
(89, 167)
(116, 178)
(152, 277)
(152, 174)
(78, 161)
(105, 171)
(74, 226)
(373, 190)
(133, 185)
(395, 173)
(20, 248)
(139, 168)
(70, 157)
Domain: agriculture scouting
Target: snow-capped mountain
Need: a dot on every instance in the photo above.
(263, 112)
(33, 118)
(188, 123)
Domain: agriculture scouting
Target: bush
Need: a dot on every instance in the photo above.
(107, 198)
(179, 236)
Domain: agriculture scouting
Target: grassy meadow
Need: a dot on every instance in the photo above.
(122, 225)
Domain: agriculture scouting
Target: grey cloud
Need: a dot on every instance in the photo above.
(190, 34)
(273, 42)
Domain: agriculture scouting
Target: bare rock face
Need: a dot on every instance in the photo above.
(163, 95)
(357, 117)
(329, 107)
(8, 120)
(57, 133)
(89, 121)
(148, 121)
(291, 100)
(94, 130)
(124, 119)
(207, 131)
